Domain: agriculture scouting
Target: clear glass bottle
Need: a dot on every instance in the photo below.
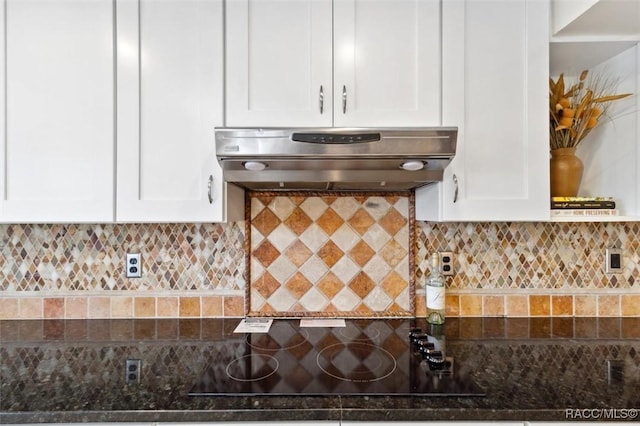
(435, 292)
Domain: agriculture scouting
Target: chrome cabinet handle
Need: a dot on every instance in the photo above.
(455, 191)
(321, 100)
(344, 99)
(210, 189)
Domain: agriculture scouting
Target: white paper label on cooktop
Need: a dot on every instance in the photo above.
(323, 322)
(254, 325)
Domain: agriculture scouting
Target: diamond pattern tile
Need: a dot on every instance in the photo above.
(530, 256)
(346, 251)
(51, 259)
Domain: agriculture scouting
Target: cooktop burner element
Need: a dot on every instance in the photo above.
(356, 362)
(367, 357)
(252, 368)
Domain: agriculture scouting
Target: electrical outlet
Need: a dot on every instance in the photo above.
(613, 260)
(132, 371)
(446, 263)
(134, 265)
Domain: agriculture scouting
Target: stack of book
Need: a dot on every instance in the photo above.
(583, 206)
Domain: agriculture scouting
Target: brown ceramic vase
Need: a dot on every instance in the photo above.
(566, 172)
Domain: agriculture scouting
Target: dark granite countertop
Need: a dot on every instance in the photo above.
(530, 368)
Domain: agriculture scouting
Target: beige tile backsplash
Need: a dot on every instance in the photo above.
(200, 270)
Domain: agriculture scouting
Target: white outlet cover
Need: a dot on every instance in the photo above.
(134, 265)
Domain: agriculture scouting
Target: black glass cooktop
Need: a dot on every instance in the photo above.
(367, 357)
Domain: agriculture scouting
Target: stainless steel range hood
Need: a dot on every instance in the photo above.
(338, 159)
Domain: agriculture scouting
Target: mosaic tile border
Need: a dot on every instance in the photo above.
(343, 314)
(122, 306)
(533, 304)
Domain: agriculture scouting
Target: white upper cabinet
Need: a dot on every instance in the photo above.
(386, 63)
(278, 63)
(170, 98)
(495, 89)
(340, 63)
(57, 154)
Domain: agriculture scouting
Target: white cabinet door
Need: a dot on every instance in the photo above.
(495, 89)
(170, 98)
(278, 63)
(341, 63)
(387, 63)
(58, 111)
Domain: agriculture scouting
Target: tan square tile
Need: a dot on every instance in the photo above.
(586, 306)
(361, 253)
(189, 307)
(53, 307)
(470, 305)
(330, 253)
(298, 285)
(419, 306)
(539, 305)
(452, 305)
(99, 307)
(362, 285)
(266, 253)
(265, 222)
(76, 307)
(608, 306)
(329, 222)
(167, 307)
(31, 308)
(145, 307)
(361, 221)
(298, 222)
(233, 306)
(122, 307)
(561, 306)
(517, 305)
(266, 285)
(393, 222)
(9, 308)
(394, 284)
(493, 306)
(212, 307)
(630, 305)
(330, 285)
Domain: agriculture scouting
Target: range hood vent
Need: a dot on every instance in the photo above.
(334, 159)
